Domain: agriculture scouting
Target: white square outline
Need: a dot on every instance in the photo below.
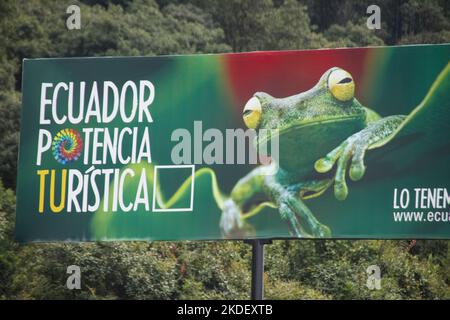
(155, 170)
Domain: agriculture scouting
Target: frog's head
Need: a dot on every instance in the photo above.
(331, 99)
(309, 121)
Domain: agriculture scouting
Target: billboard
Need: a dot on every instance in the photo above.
(335, 143)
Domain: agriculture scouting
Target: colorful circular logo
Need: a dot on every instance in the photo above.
(67, 146)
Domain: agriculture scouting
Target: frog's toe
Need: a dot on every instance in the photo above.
(357, 171)
(325, 232)
(340, 190)
(325, 164)
(340, 185)
(357, 168)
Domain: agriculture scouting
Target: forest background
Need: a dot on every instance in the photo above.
(320, 269)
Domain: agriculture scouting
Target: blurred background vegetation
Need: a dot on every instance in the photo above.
(205, 270)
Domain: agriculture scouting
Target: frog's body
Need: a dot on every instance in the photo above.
(308, 125)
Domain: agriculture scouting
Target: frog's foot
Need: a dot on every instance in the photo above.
(288, 214)
(231, 219)
(354, 148)
(301, 221)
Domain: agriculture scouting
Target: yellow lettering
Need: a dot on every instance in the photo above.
(41, 174)
(53, 207)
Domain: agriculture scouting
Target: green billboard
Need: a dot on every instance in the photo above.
(337, 143)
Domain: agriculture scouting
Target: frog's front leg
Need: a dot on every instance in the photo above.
(354, 148)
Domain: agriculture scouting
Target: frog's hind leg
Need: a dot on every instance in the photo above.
(292, 209)
(241, 197)
(311, 189)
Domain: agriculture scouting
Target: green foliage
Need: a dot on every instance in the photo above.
(241, 20)
(352, 35)
(427, 37)
(288, 27)
(292, 290)
(262, 25)
(9, 134)
(205, 270)
(337, 269)
(195, 30)
(217, 270)
(7, 256)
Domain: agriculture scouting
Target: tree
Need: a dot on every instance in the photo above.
(9, 135)
(241, 21)
(7, 255)
(288, 27)
(352, 35)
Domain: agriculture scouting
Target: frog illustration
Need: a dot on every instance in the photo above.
(308, 124)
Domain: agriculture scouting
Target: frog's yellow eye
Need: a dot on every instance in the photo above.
(252, 113)
(341, 85)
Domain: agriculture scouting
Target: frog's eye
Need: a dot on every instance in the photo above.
(252, 113)
(341, 85)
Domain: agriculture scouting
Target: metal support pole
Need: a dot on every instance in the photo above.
(257, 292)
